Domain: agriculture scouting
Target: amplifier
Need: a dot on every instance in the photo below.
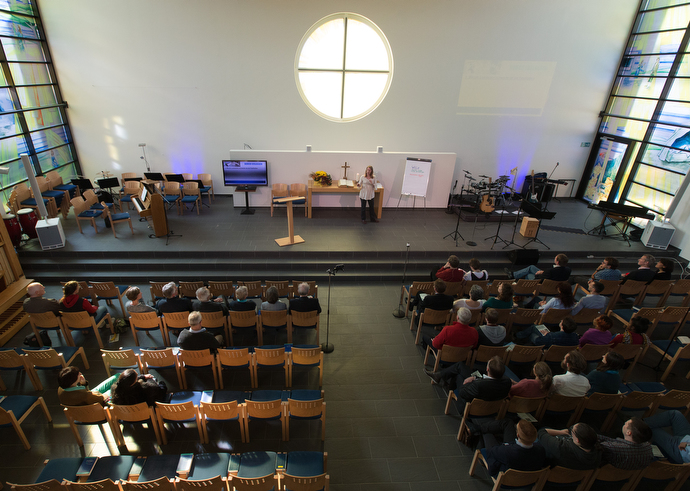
(50, 233)
(658, 235)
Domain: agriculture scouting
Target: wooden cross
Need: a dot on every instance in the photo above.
(345, 167)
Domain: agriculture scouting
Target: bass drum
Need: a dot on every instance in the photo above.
(28, 219)
(13, 229)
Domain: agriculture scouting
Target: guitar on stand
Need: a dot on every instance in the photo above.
(487, 204)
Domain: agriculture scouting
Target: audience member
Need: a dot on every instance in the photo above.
(519, 450)
(74, 390)
(574, 449)
(634, 332)
(564, 299)
(72, 302)
(305, 302)
(490, 387)
(458, 334)
(171, 302)
(644, 272)
(36, 304)
(504, 300)
(593, 300)
(566, 336)
(272, 302)
(664, 269)
(633, 451)
(132, 388)
(491, 334)
(539, 386)
(572, 383)
(135, 302)
(475, 302)
(675, 445)
(241, 303)
(606, 379)
(599, 334)
(559, 272)
(451, 271)
(204, 302)
(476, 272)
(607, 270)
(197, 337)
(438, 301)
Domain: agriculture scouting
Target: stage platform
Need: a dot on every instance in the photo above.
(221, 243)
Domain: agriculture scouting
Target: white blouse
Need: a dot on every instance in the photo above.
(368, 185)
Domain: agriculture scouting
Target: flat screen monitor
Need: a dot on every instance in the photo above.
(245, 173)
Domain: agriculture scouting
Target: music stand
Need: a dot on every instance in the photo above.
(109, 183)
(497, 237)
(82, 183)
(534, 212)
(292, 238)
(154, 176)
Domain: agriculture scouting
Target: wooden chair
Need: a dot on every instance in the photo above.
(412, 291)
(503, 317)
(305, 320)
(517, 404)
(233, 359)
(522, 318)
(244, 320)
(174, 322)
(614, 477)
(306, 357)
(49, 359)
(454, 288)
(278, 190)
(270, 357)
(160, 359)
(483, 284)
(313, 288)
(11, 360)
(24, 198)
(129, 176)
(630, 288)
(117, 218)
(526, 288)
(673, 399)
(483, 354)
(555, 354)
(61, 197)
(680, 288)
(300, 189)
(657, 288)
(82, 321)
(277, 319)
(108, 291)
(254, 288)
(562, 477)
(185, 412)
(585, 317)
(672, 351)
(632, 353)
(600, 403)
(208, 186)
(91, 414)
(222, 411)
(429, 317)
(172, 194)
(120, 360)
(188, 288)
(448, 355)
(553, 317)
(632, 402)
(102, 485)
(267, 410)
(302, 410)
(557, 403)
(524, 355)
(197, 359)
(478, 408)
(216, 322)
(48, 321)
(56, 182)
(130, 188)
(664, 476)
(671, 317)
(190, 195)
(493, 287)
(548, 288)
(310, 483)
(136, 413)
(82, 212)
(14, 409)
(222, 288)
(512, 478)
(594, 352)
(283, 287)
(626, 315)
(146, 322)
(156, 290)
(160, 484)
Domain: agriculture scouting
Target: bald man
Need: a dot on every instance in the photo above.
(36, 304)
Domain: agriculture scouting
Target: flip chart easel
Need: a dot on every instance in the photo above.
(415, 179)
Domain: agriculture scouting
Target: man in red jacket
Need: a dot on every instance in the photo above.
(72, 302)
(458, 334)
(451, 272)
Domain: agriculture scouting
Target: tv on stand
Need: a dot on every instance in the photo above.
(245, 176)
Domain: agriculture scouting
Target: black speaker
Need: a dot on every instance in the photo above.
(523, 257)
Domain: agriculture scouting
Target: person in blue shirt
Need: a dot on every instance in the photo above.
(606, 379)
(565, 337)
(674, 446)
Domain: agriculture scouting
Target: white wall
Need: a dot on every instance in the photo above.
(194, 80)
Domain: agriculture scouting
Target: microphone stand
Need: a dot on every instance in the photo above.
(328, 347)
(400, 312)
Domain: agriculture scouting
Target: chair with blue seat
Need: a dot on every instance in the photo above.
(108, 291)
(190, 196)
(511, 478)
(157, 472)
(11, 359)
(207, 187)
(223, 411)
(113, 467)
(448, 355)
(522, 319)
(299, 189)
(255, 471)
(156, 290)
(172, 195)
(604, 406)
(131, 188)
(305, 320)
(117, 218)
(61, 197)
(477, 408)
(90, 414)
(160, 359)
(283, 287)
(174, 322)
(106, 484)
(206, 466)
(277, 320)
(522, 358)
(222, 289)
(630, 289)
(680, 289)
(563, 478)
(305, 356)
(197, 359)
(91, 200)
(266, 405)
(82, 212)
(82, 321)
(657, 288)
(270, 356)
(305, 470)
(136, 413)
(673, 399)
(278, 190)
(234, 358)
(554, 355)
(48, 321)
(216, 323)
(50, 359)
(244, 320)
(24, 198)
(54, 471)
(185, 412)
(145, 322)
(673, 351)
(517, 404)
(188, 289)
(15, 409)
(409, 291)
(632, 353)
(57, 183)
(663, 476)
(429, 317)
(558, 405)
(635, 403)
(305, 405)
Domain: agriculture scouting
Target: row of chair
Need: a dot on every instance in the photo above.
(55, 195)
(255, 289)
(670, 477)
(200, 408)
(30, 360)
(279, 190)
(14, 409)
(299, 471)
(206, 180)
(87, 208)
(236, 358)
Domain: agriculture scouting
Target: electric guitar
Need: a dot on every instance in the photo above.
(533, 195)
(487, 203)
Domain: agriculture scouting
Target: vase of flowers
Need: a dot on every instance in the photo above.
(321, 178)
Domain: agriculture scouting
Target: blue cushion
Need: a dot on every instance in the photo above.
(114, 468)
(58, 195)
(305, 395)
(18, 405)
(304, 464)
(674, 346)
(269, 395)
(190, 199)
(32, 202)
(181, 396)
(98, 206)
(625, 314)
(299, 202)
(205, 189)
(208, 465)
(65, 187)
(170, 199)
(157, 466)
(230, 395)
(59, 469)
(257, 464)
(119, 216)
(90, 214)
(127, 198)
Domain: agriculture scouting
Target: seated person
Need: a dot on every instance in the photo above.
(504, 300)
(74, 389)
(204, 302)
(664, 269)
(197, 337)
(539, 386)
(438, 301)
(450, 271)
(36, 304)
(493, 386)
(574, 449)
(491, 334)
(458, 334)
(305, 302)
(135, 302)
(566, 336)
(476, 272)
(607, 270)
(475, 302)
(564, 299)
(673, 445)
(593, 300)
(644, 272)
(634, 332)
(633, 451)
(572, 383)
(272, 302)
(132, 388)
(519, 450)
(241, 303)
(599, 334)
(171, 302)
(606, 379)
(72, 302)
(559, 272)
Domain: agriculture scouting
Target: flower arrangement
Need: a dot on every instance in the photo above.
(322, 178)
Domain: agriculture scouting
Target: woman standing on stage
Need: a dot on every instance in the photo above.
(368, 184)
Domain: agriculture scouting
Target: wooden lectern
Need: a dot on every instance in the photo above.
(292, 239)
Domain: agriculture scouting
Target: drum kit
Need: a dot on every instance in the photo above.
(486, 193)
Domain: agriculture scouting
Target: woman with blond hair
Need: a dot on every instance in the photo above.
(367, 183)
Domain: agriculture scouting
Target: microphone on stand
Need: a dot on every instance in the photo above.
(456, 185)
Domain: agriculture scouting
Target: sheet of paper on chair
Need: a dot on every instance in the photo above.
(684, 339)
